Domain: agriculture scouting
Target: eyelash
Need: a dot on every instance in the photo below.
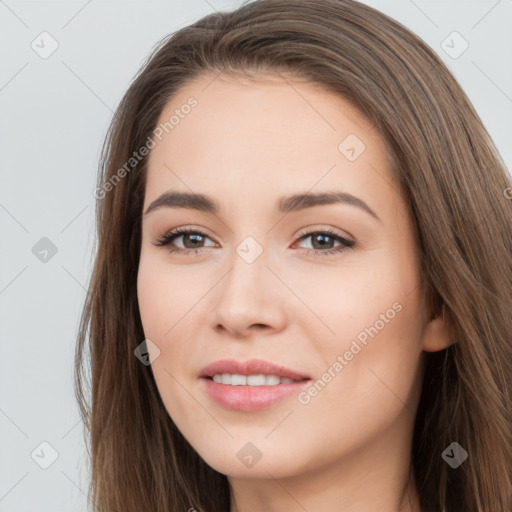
(169, 237)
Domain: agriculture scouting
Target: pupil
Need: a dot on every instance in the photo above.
(196, 238)
(323, 237)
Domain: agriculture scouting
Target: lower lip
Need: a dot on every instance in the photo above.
(251, 398)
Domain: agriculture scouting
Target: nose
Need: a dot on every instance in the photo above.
(250, 299)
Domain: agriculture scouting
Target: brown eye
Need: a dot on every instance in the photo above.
(322, 242)
(191, 240)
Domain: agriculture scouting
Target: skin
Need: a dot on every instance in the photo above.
(246, 144)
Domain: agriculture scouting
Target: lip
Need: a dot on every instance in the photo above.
(250, 367)
(250, 398)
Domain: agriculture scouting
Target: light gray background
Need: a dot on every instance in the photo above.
(54, 116)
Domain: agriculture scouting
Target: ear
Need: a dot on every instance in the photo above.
(438, 333)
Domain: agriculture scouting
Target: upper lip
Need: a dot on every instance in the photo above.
(250, 367)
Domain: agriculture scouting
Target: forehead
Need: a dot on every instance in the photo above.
(267, 135)
(268, 104)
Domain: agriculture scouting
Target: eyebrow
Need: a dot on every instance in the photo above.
(294, 203)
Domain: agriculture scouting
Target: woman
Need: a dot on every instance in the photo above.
(302, 289)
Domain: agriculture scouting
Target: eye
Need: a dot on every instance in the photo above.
(322, 241)
(192, 239)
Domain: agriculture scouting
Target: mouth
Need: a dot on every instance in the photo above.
(250, 385)
(248, 393)
(256, 380)
(252, 372)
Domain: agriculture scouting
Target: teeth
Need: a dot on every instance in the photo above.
(250, 380)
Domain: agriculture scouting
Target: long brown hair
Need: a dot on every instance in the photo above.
(458, 192)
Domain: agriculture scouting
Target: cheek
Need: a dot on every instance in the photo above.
(169, 307)
(345, 302)
(161, 310)
(375, 314)
(370, 373)
(151, 297)
(165, 295)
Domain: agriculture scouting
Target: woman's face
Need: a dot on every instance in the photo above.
(326, 287)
